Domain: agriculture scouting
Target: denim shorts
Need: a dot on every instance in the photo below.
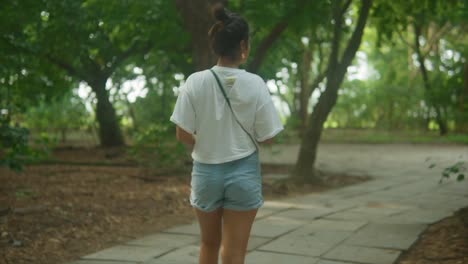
(234, 185)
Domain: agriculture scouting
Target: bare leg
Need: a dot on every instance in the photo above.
(210, 227)
(236, 232)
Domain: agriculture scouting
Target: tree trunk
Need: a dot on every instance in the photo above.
(110, 133)
(305, 166)
(198, 21)
(305, 83)
(462, 121)
(63, 132)
(432, 102)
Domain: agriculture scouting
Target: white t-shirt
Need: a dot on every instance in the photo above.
(202, 110)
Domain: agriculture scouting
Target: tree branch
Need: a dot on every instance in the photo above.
(404, 40)
(335, 45)
(72, 71)
(67, 67)
(435, 38)
(345, 7)
(268, 41)
(283, 98)
(420, 58)
(135, 48)
(355, 40)
(316, 82)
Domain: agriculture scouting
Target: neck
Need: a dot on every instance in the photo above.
(223, 62)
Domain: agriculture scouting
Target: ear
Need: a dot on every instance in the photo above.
(244, 45)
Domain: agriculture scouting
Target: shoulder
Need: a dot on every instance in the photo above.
(253, 81)
(197, 76)
(256, 83)
(252, 77)
(195, 80)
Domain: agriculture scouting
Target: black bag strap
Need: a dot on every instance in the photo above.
(232, 110)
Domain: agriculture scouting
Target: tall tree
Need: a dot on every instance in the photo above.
(337, 67)
(87, 41)
(424, 26)
(198, 19)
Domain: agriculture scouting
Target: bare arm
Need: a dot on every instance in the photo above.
(184, 136)
(267, 142)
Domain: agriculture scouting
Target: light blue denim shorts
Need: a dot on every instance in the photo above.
(234, 185)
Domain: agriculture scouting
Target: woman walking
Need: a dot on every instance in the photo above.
(224, 112)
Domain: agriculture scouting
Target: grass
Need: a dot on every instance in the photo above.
(372, 136)
(330, 135)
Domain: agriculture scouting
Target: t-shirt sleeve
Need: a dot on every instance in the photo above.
(267, 121)
(184, 112)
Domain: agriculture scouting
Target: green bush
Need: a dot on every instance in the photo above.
(156, 146)
(14, 148)
(456, 170)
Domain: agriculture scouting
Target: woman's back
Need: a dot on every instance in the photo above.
(205, 113)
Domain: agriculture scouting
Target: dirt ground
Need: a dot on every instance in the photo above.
(94, 198)
(445, 242)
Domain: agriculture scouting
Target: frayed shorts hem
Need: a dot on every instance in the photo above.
(229, 207)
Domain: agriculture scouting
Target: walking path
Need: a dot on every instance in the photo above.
(372, 222)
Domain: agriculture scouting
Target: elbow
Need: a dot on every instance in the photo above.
(267, 141)
(185, 138)
(179, 137)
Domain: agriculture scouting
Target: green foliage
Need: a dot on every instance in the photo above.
(25, 193)
(14, 149)
(157, 147)
(48, 47)
(456, 170)
(60, 115)
(433, 32)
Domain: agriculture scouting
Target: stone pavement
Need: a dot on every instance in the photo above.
(368, 223)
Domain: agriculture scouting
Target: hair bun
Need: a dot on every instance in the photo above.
(220, 13)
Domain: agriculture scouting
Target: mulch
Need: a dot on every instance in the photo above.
(445, 242)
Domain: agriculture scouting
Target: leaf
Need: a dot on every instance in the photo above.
(454, 169)
(460, 177)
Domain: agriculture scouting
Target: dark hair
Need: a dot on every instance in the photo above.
(227, 33)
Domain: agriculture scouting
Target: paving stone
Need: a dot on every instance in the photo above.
(430, 198)
(363, 255)
(190, 229)
(263, 212)
(396, 236)
(424, 216)
(356, 224)
(185, 255)
(277, 205)
(355, 216)
(322, 261)
(305, 214)
(165, 240)
(189, 254)
(255, 242)
(313, 243)
(379, 208)
(323, 200)
(272, 177)
(127, 253)
(101, 262)
(410, 189)
(332, 225)
(454, 188)
(261, 257)
(273, 226)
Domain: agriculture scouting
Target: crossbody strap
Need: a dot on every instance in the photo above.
(232, 110)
